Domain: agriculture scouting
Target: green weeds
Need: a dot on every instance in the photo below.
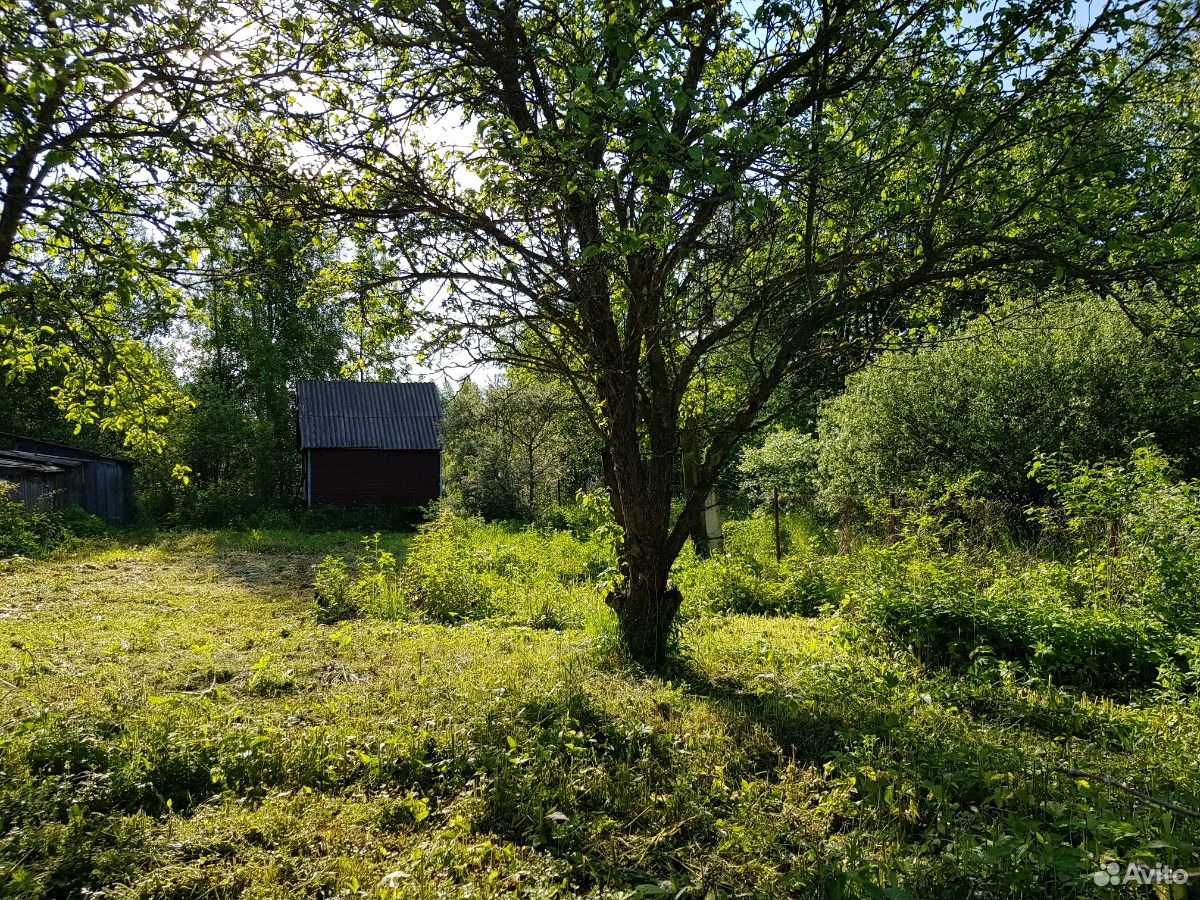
(181, 722)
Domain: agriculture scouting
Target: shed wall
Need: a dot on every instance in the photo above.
(101, 485)
(53, 490)
(373, 477)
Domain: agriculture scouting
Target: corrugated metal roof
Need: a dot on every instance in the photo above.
(10, 440)
(369, 415)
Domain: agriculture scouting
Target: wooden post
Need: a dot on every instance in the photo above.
(778, 540)
(714, 535)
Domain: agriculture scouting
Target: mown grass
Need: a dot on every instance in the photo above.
(176, 724)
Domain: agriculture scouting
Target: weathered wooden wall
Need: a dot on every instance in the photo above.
(54, 490)
(101, 485)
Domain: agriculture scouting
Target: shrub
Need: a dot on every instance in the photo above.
(785, 463)
(460, 568)
(1135, 529)
(440, 574)
(336, 591)
(36, 532)
(1072, 376)
(373, 587)
(952, 613)
(748, 579)
(1181, 674)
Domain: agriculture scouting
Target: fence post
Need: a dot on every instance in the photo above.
(778, 540)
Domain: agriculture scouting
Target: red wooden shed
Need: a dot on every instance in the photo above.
(370, 443)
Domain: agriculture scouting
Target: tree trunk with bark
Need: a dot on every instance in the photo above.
(646, 606)
(640, 491)
(646, 603)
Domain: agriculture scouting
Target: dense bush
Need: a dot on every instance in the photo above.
(936, 607)
(737, 584)
(1072, 376)
(35, 532)
(1115, 612)
(441, 570)
(783, 466)
(747, 578)
(336, 591)
(1135, 530)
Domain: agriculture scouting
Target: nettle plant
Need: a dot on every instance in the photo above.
(371, 586)
(1135, 527)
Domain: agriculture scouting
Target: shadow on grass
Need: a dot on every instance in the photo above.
(804, 731)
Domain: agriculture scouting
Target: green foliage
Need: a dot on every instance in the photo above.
(373, 587)
(1072, 376)
(942, 515)
(458, 568)
(949, 612)
(518, 449)
(733, 584)
(748, 579)
(29, 532)
(336, 592)
(1135, 527)
(1119, 615)
(442, 567)
(35, 532)
(98, 134)
(785, 464)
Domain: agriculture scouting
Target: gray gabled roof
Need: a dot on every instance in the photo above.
(369, 415)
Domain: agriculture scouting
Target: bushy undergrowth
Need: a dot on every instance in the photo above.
(955, 612)
(1118, 611)
(746, 577)
(36, 532)
(459, 568)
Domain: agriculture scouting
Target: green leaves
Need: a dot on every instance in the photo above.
(114, 130)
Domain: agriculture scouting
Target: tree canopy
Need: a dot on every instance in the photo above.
(1069, 375)
(681, 211)
(661, 197)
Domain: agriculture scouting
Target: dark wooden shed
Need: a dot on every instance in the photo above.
(370, 443)
(61, 476)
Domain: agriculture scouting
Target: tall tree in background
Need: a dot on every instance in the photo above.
(113, 129)
(260, 335)
(516, 446)
(91, 116)
(659, 193)
(358, 280)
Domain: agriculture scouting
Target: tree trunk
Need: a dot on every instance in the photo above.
(530, 451)
(691, 478)
(645, 606)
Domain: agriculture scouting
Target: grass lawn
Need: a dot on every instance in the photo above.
(176, 724)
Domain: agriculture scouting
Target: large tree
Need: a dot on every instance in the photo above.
(112, 120)
(681, 208)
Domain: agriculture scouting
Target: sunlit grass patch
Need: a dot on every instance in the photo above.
(182, 725)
